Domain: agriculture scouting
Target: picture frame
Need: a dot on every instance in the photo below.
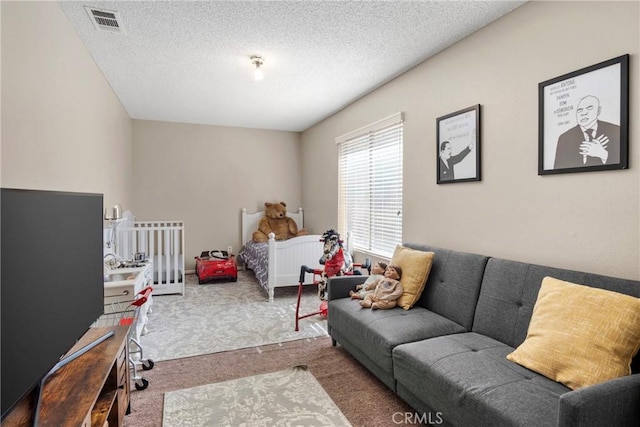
(458, 146)
(574, 106)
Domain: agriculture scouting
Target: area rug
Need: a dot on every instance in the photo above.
(217, 317)
(291, 397)
(361, 397)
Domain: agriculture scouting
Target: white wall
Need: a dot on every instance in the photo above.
(584, 221)
(62, 126)
(205, 174)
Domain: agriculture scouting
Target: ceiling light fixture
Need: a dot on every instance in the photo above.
(258, 61)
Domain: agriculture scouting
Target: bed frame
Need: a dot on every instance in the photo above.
(163, 243)
(285, 257)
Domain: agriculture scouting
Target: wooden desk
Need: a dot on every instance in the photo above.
(89, 391)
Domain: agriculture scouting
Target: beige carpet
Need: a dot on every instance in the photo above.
(291, 397)
(225, 316)
(361, 397)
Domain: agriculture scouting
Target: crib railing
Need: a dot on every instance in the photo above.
(163, 243)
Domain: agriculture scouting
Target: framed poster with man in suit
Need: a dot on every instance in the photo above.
(584, 119)
(458, 146)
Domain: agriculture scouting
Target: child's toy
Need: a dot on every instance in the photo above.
(386, 291)
(336, 262)
(377, 272)
(216, 265)
(276, 221)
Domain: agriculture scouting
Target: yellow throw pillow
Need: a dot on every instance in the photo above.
(579, 335)
(415, 266)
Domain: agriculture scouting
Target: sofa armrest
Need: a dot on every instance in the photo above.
(339, 286)
(612, 403)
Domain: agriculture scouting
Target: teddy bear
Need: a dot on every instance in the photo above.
(276, 221)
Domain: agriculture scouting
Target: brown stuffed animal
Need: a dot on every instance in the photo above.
(276, 221)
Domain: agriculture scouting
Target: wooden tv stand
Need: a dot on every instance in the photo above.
(92, 390)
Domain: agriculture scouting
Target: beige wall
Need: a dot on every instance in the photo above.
(64, 129)
(204, 175)
(62, 126)
(583, 221)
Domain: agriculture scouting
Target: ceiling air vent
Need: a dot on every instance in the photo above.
(106, 20)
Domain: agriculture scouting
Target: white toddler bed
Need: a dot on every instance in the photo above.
(277, 263)
(163, 243)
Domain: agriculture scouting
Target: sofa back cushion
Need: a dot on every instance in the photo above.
(580, 335)
(453, 284)
(510, 290)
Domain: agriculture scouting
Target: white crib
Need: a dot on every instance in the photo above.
(163, 243)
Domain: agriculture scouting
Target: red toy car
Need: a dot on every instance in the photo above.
(216, 265)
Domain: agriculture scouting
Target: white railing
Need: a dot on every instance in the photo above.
(162, 243)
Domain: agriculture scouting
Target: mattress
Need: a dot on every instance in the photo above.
(167, 273)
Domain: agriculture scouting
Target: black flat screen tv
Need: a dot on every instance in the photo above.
(51, 288)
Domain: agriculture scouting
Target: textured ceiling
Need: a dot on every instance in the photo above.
(188, 61)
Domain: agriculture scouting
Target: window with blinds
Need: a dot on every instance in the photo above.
(370, 186)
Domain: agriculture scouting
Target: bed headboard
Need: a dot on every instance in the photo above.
(250, 222)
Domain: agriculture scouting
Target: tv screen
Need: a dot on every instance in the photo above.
(52, 287)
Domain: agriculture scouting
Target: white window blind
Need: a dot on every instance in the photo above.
(370, 186)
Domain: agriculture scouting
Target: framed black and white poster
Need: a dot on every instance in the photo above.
(458, 146)
(584, 119)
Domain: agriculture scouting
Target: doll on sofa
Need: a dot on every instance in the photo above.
(387, 290)
(377, 272)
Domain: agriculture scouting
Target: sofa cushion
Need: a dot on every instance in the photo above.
(579, 335)
(509, 292)
(453, 285)
(415, 267)
(468, 379)
(379, 331)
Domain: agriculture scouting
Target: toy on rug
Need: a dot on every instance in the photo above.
(387, 290)
(377, 272)
(276, 221)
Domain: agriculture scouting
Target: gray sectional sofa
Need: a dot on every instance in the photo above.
(446, 357)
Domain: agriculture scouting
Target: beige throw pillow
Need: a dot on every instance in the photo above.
(415, 266)
(579, 335)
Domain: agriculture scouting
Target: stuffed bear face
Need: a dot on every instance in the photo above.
(275, 210)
